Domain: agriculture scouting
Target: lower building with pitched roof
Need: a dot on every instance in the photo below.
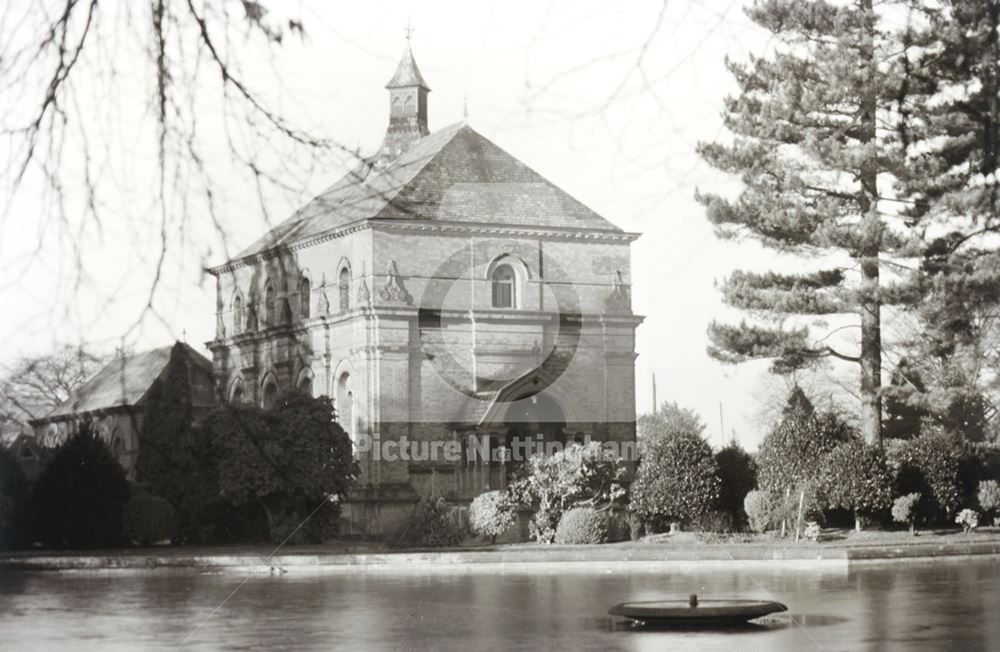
(114, 401)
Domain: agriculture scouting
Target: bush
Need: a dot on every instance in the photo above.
(789, 455)
(904, 509)
(989, 495)
(715, 521)
(491, 514)
(579, 475)
(855, 476)
(968, 519)
(676, 480)
(582, 525)
(15, 499)
(737, 476)
(149, 519)
(432, 524)
(291, 459)
(760, 507)
(80, 496)
(811, 531)
(929, 465)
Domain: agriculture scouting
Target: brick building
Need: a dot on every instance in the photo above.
(115, 399)
(440, 291)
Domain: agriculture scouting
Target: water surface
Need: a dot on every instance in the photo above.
(916, 606)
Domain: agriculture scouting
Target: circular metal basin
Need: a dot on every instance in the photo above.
(704, 612)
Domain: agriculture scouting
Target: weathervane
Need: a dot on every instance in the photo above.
(408, 30)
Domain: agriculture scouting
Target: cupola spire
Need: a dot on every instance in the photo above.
(407, 106)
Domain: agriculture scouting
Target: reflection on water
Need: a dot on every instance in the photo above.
(945, 605)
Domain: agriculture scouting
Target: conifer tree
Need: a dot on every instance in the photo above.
(950, 134)
(810, 143)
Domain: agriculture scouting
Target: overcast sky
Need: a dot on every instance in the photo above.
(606, 99)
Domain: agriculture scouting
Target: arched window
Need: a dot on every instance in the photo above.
(504, 283)
(344, 405)
(306, 385)
(270, 395)
(305, 297)
(118, 447)
(270, 307)
(344, 288)
(237, 314)
(236, 394)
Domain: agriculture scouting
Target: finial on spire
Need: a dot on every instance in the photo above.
(408, 30)
(465, 109)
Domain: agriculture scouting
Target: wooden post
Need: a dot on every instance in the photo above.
(798, 522)
(784, 514)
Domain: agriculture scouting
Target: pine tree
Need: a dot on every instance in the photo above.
(950, 133)
(810, 143)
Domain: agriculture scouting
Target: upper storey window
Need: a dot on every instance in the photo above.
(344, 289)
(504, 283)
(270, 307)
(238, 314)
(305, 291)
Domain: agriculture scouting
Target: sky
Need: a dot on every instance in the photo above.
(606, 99)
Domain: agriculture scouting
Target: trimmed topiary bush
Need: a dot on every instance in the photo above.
(491, 514)
(930, 465)
(80, 495)
(582, 525)
(904, 509)
(737, 475)
(760, 507)
(989, 496)
(968, 519)
(789, 455)
(676, 480)
(855, 476)
(149, 519)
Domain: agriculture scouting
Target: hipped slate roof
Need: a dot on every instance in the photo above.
(123, 381)
(453, 175)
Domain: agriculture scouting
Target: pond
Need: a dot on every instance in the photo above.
(930, 606)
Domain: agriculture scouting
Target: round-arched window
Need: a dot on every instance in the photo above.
(504, 282)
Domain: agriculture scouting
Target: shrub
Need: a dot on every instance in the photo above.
(737, 475)
(579, 475)
(904, 509)
(491, 514)
(929, 464)
(15, 510)
(968, 519)
(676, 480)
(855, 476)
(989, 495)
(789, 455)
(432, 524)
(80, 495)
(812, 531)
(582, 525)
(760, 507)
(149, 519)
(715, 521)
(291, 459)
